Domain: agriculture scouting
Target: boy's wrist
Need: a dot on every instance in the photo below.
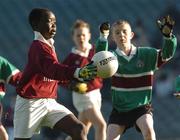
(76, 74)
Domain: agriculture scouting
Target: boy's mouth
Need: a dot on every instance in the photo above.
(53, 32)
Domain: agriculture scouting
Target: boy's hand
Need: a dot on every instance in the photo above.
(104, 30)
(166, 26)
(88, 72)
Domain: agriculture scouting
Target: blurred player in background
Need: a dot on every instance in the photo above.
(37, 90)
(131, 86)
(9, 74)
(86, 95)
(177, 87)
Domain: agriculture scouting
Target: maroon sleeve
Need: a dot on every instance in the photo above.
(44, 61)
(67, 61)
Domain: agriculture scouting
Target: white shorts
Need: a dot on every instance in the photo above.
(31, 114)
(84, 101)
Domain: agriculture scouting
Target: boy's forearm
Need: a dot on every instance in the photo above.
(169, 47)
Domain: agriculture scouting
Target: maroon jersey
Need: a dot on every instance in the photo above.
(78, 60)
(42, 72)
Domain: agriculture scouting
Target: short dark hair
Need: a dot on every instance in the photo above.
(35, 16)
(120, 22)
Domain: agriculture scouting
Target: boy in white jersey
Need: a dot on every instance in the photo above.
(131, 86)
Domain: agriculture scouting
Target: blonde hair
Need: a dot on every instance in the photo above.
(79, 23)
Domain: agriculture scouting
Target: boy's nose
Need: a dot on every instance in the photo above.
(121, 34)
(54, 25)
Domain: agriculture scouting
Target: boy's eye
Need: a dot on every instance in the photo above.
(80, 35)
(125, 32)
(117, 32)
(51, 21)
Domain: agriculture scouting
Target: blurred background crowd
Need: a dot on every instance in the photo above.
(16, 35)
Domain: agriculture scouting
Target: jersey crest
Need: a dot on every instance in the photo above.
(140, 64)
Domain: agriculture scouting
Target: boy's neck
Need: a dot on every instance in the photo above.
(127, 49)
(84, 47)
(39, 36)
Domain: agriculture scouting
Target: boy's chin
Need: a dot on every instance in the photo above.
(52, 36)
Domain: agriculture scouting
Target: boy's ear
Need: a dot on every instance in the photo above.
(132, 35)
(112, 36)
(89, 35)
(35, 26)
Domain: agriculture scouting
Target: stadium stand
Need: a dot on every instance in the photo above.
(15, 36)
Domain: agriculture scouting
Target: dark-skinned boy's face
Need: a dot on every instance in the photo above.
(47, 25)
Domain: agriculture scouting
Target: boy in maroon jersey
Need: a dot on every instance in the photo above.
(86, 96)
(35, 104)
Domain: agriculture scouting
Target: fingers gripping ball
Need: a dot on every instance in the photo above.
(166, 26)
(88, 72)
(106, 62)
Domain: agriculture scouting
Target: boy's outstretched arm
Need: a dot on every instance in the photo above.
(102, 42)
(166, 25)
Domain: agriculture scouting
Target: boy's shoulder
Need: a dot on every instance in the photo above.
(38, 44)
(3, 59)
(146, 48)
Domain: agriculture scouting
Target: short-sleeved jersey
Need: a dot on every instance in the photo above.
(7, 71)
(131, 86)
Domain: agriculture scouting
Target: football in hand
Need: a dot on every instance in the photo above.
(106, 62)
